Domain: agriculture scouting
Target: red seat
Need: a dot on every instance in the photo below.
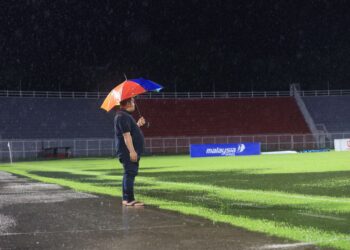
(241, 116)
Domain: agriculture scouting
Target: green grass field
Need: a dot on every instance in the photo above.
(303, 197)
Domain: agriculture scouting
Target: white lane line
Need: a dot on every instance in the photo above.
(30, 186)
(288, 246)
(43, 197)
(92, 230)
(301, 244)
(323, 216)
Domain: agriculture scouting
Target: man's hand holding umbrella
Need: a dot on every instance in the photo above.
(141, 121)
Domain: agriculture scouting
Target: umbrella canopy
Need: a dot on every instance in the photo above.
(128, 89)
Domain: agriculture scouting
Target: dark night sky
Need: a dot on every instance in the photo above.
(192, 45)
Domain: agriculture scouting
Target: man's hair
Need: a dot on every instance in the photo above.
(125, 102)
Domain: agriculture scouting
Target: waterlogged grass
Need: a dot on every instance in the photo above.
(302, 197)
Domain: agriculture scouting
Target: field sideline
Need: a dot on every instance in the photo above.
(302, 197)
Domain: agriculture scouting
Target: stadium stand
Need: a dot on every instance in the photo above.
(245, 116)
(30, 118)
(332, 111)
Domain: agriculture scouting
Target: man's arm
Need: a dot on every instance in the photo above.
(129, 144)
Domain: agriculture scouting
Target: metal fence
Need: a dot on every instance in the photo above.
(95, 147)
(170, 95)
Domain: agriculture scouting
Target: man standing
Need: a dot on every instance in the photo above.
(129, 141)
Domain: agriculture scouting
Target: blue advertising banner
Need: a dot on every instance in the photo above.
(237, 149)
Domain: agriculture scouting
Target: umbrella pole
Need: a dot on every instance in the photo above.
(138, 111)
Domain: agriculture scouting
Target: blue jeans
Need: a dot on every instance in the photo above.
(130, 171)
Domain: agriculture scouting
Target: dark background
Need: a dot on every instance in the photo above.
(193, 45)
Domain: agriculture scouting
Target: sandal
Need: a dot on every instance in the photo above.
(133, 203)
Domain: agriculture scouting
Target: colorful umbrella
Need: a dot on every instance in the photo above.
(127, 89)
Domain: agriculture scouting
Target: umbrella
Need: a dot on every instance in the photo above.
(128, 89)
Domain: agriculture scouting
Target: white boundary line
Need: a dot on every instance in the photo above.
(323, 216)
(91, 230)
(300, 244)
(281, 246)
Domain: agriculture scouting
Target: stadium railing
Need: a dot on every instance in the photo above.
(328, 92)
(101, 147)
(164, 95)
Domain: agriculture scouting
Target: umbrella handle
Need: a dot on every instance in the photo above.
(148, 124)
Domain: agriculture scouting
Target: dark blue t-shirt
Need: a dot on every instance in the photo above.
(123, 123)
